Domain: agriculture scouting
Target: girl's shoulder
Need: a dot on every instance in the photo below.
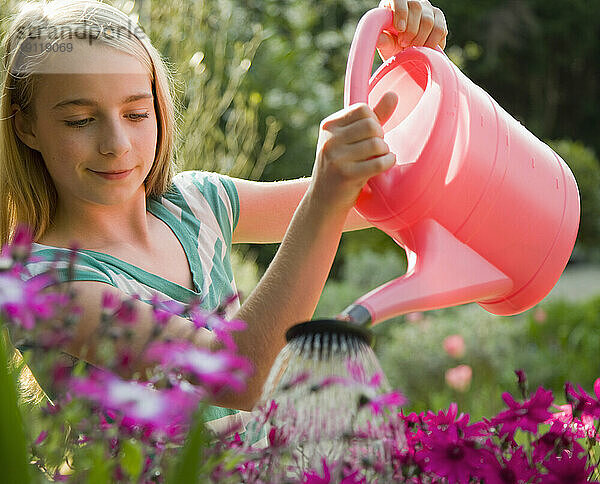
(205, 197)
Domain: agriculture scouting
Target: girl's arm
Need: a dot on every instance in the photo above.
(266, 210)
(349, 152)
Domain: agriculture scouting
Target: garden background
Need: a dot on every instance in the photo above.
(254, 78)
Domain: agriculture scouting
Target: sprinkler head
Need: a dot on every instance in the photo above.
(330, 326)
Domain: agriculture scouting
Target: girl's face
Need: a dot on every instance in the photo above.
(95, 125)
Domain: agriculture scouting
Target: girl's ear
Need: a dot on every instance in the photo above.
(24, 127)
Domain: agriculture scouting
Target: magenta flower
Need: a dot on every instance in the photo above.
(311, 477)
(444, 419)
(583, 403)
(446, 454)
(386, 400)
(567, 467)
(215, 371)
(138, 404)
(221, 327)
(164, 309)
(554, 441)
(515, 470)
(20, 247)
(278, 437)
(581, 427)
(126, 313)
(23, 302)
(41, 437)
(110, 301)
(526, 415)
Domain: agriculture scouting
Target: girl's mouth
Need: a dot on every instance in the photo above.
(112, 175)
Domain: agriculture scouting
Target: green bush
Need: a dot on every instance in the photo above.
(586, 168)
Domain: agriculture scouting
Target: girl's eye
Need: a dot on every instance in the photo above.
(80, 123)
(138, 116)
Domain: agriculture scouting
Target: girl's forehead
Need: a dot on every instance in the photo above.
(97, 73)
(73, 56)
(57, 92)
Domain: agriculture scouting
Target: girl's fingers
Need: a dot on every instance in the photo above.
(426, 25)
(440, 31)
(351, 114)
(386, 106)
(400, 8)
(387, 45)
(418, 23)
(413, 23)
(364, 150)
(368, 168)
(363, 129)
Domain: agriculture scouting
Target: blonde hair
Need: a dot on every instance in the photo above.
(27, 193)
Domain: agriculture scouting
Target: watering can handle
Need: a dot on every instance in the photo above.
(360, 58)
(362, 54)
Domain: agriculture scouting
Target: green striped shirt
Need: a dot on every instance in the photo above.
(202, 210)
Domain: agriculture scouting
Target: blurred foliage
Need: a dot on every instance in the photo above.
(220, 127)
(255, 78)
(361, 272)
(586, 168)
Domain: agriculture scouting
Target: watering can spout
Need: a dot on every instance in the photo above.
(451, 273)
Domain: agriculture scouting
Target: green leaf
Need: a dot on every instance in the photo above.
(132, 458)
(99, 472)
(188, 465)
(13, 454)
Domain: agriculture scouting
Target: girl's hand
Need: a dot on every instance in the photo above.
(417, 23)
(351, 150)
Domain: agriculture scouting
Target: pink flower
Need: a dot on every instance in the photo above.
(526, 415)
(23, 302)
(110, 301)
(222, 327)
(311, 477)
(514, 470)
(278, 438)
(583, 403)
(127, 312)
(41, 437)
(451, 456)
(583, 427)
(454, 345)
(214, 370)
(554, 441)
(392, 399)
(20, 247)
(415, 317)
(459, 378)
(442, 420)
(139, 405)
(540, 316)
(164, 309)
(567, 467)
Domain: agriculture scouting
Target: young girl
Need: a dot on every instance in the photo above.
(86, 143)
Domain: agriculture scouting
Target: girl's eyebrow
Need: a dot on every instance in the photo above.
(90, 102)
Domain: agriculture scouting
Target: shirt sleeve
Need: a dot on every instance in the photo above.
(200, 190)
(65, 265)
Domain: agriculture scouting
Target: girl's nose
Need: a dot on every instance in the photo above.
(114, 139)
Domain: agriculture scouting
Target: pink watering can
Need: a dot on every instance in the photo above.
(486, 212)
